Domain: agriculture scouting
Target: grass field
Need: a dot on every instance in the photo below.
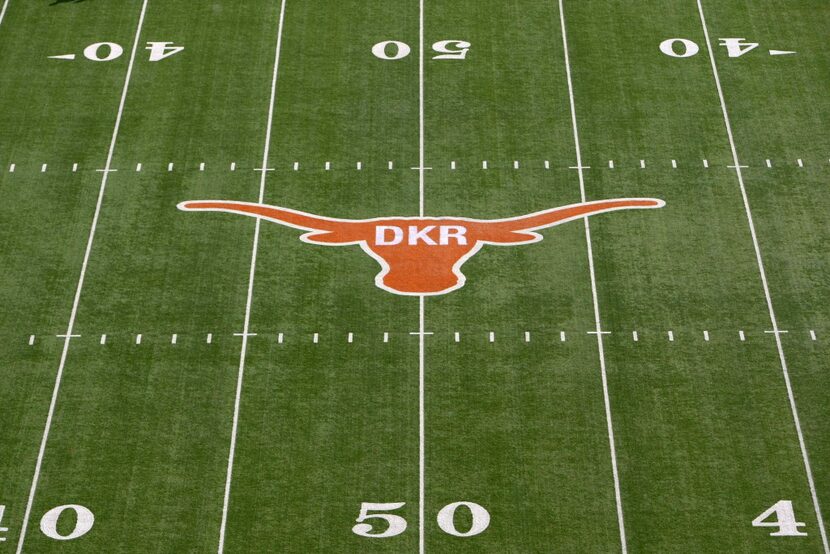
(641, 381)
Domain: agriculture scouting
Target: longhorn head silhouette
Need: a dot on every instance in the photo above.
(421, 255)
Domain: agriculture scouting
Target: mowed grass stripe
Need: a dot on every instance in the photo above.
(777, 104)
(690, 265)
(153, 420)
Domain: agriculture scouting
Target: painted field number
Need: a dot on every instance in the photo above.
(84, 520)
(735, 48)
(784, 520)
(444, 49)
(109, 51)
(396, 525)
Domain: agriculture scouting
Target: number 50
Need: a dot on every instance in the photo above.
(446, 50)
(395, 524)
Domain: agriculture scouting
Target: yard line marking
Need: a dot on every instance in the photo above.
(31, 340)
(421, 299)
(706, 336)
(170, 166)
(233, 166)
(138, 167)
(562, 337)
(594, 295)
(579, 167)
(209, 338)
(800, 162)
(635, 336)
(763, 274)
(769, 163)
(812, 334)
(3, 11)
(76, 300)
(248, 302)
(742, 336)
(43, 168)
(671, 336)
(706, 164)
(386, 337)
(103, 339)
(138, 339)
(610, 164)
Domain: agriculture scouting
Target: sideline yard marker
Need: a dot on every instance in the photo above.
(763, 275)
(76, 301)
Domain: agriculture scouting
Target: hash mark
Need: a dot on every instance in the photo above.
(328, 166)
(706, 336)
(800, 162)
(706, 164)
(233, 166)
(280, 338)
(103, 340)
(11, 168)
(547, 164)
(642, 164)
(674, 164)
(812, 334)
(350, 338)
(316, 338)
(174, 339)
(492, 336)
(138, 339)
(43, 168)
(742, 336)
(296, 166)
(138, 167)
(75, 168)
(31, 340)
(209, 338)
(359, 166)
(170, 166)
(562, 337)
(457, 336)
(484, 165)
(202, 166)
(527, 336)
(635, 336)
(769, 163)
(516, 164)
(610, 164)
(391, 165)
(671, 336)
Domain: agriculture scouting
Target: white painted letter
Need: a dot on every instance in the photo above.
(415, 235)
(456, 232)
(380, 235)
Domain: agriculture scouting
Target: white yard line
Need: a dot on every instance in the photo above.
(597, 321)
(3, 10)
(422, 299)
(252, 272)
(773, 319)
(71, 325)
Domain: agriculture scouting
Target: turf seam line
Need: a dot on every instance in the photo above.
(594, 295)
(762, 271)
(79, 288)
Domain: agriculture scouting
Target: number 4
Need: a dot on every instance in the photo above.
(785, 522)
(162, 50)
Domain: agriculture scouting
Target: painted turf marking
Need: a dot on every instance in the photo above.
(138, 339)
(594, 295)
(813, 335)
(674, 164)
(742, 336)
(635, 336)
(170, 166)
(247, 322)
(3, 11)
(421, 299)
(209, 338)
(760, 261)
(800, 162)
(103, 340)
(706, 336)
(87, 252)
(31, 340)
(12, 167)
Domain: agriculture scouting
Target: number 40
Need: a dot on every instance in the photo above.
(395, 524)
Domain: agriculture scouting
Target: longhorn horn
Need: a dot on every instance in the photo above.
(555, 216)
(285, 216)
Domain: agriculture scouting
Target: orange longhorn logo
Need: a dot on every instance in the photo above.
(421, 255)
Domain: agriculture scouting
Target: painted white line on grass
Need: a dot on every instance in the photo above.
(209, 338)
(391, 166)
(635, 336)
(642, 164)
(484, 164)
(421, 299)
(457, 336)
(138, 167)
(527, 336)
(706, 164)
(280, 338)
(359, 166)
(76, 300)
(516, 164)
(562, 337)
(610, 164)
(103, 340)
(202, 166)
(3, 11)
(43, 168)
(812, 335)
(674, 164)
(800, 162)
(12, 167)
(252, 272)
(763, 274)
(170, 166)
(769, 163)
(671, 336)
(350, 338)
(328, 166)
(547, 164)
(31, 340)
(594, 296)
(742, 336)
(492, 336)
(452, 165)
(233, 166)
(74, 168)
(706, 336)
(174, 339)
(138, 339)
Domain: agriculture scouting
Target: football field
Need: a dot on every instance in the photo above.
(414, 276)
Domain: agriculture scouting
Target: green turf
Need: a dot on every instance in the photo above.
(705, 439)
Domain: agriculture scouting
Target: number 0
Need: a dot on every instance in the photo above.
(92, 51)
(446, 519)
(83, 523)
(689, 48)
(402, 50)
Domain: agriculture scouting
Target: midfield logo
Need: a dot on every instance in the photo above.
(421, 255)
